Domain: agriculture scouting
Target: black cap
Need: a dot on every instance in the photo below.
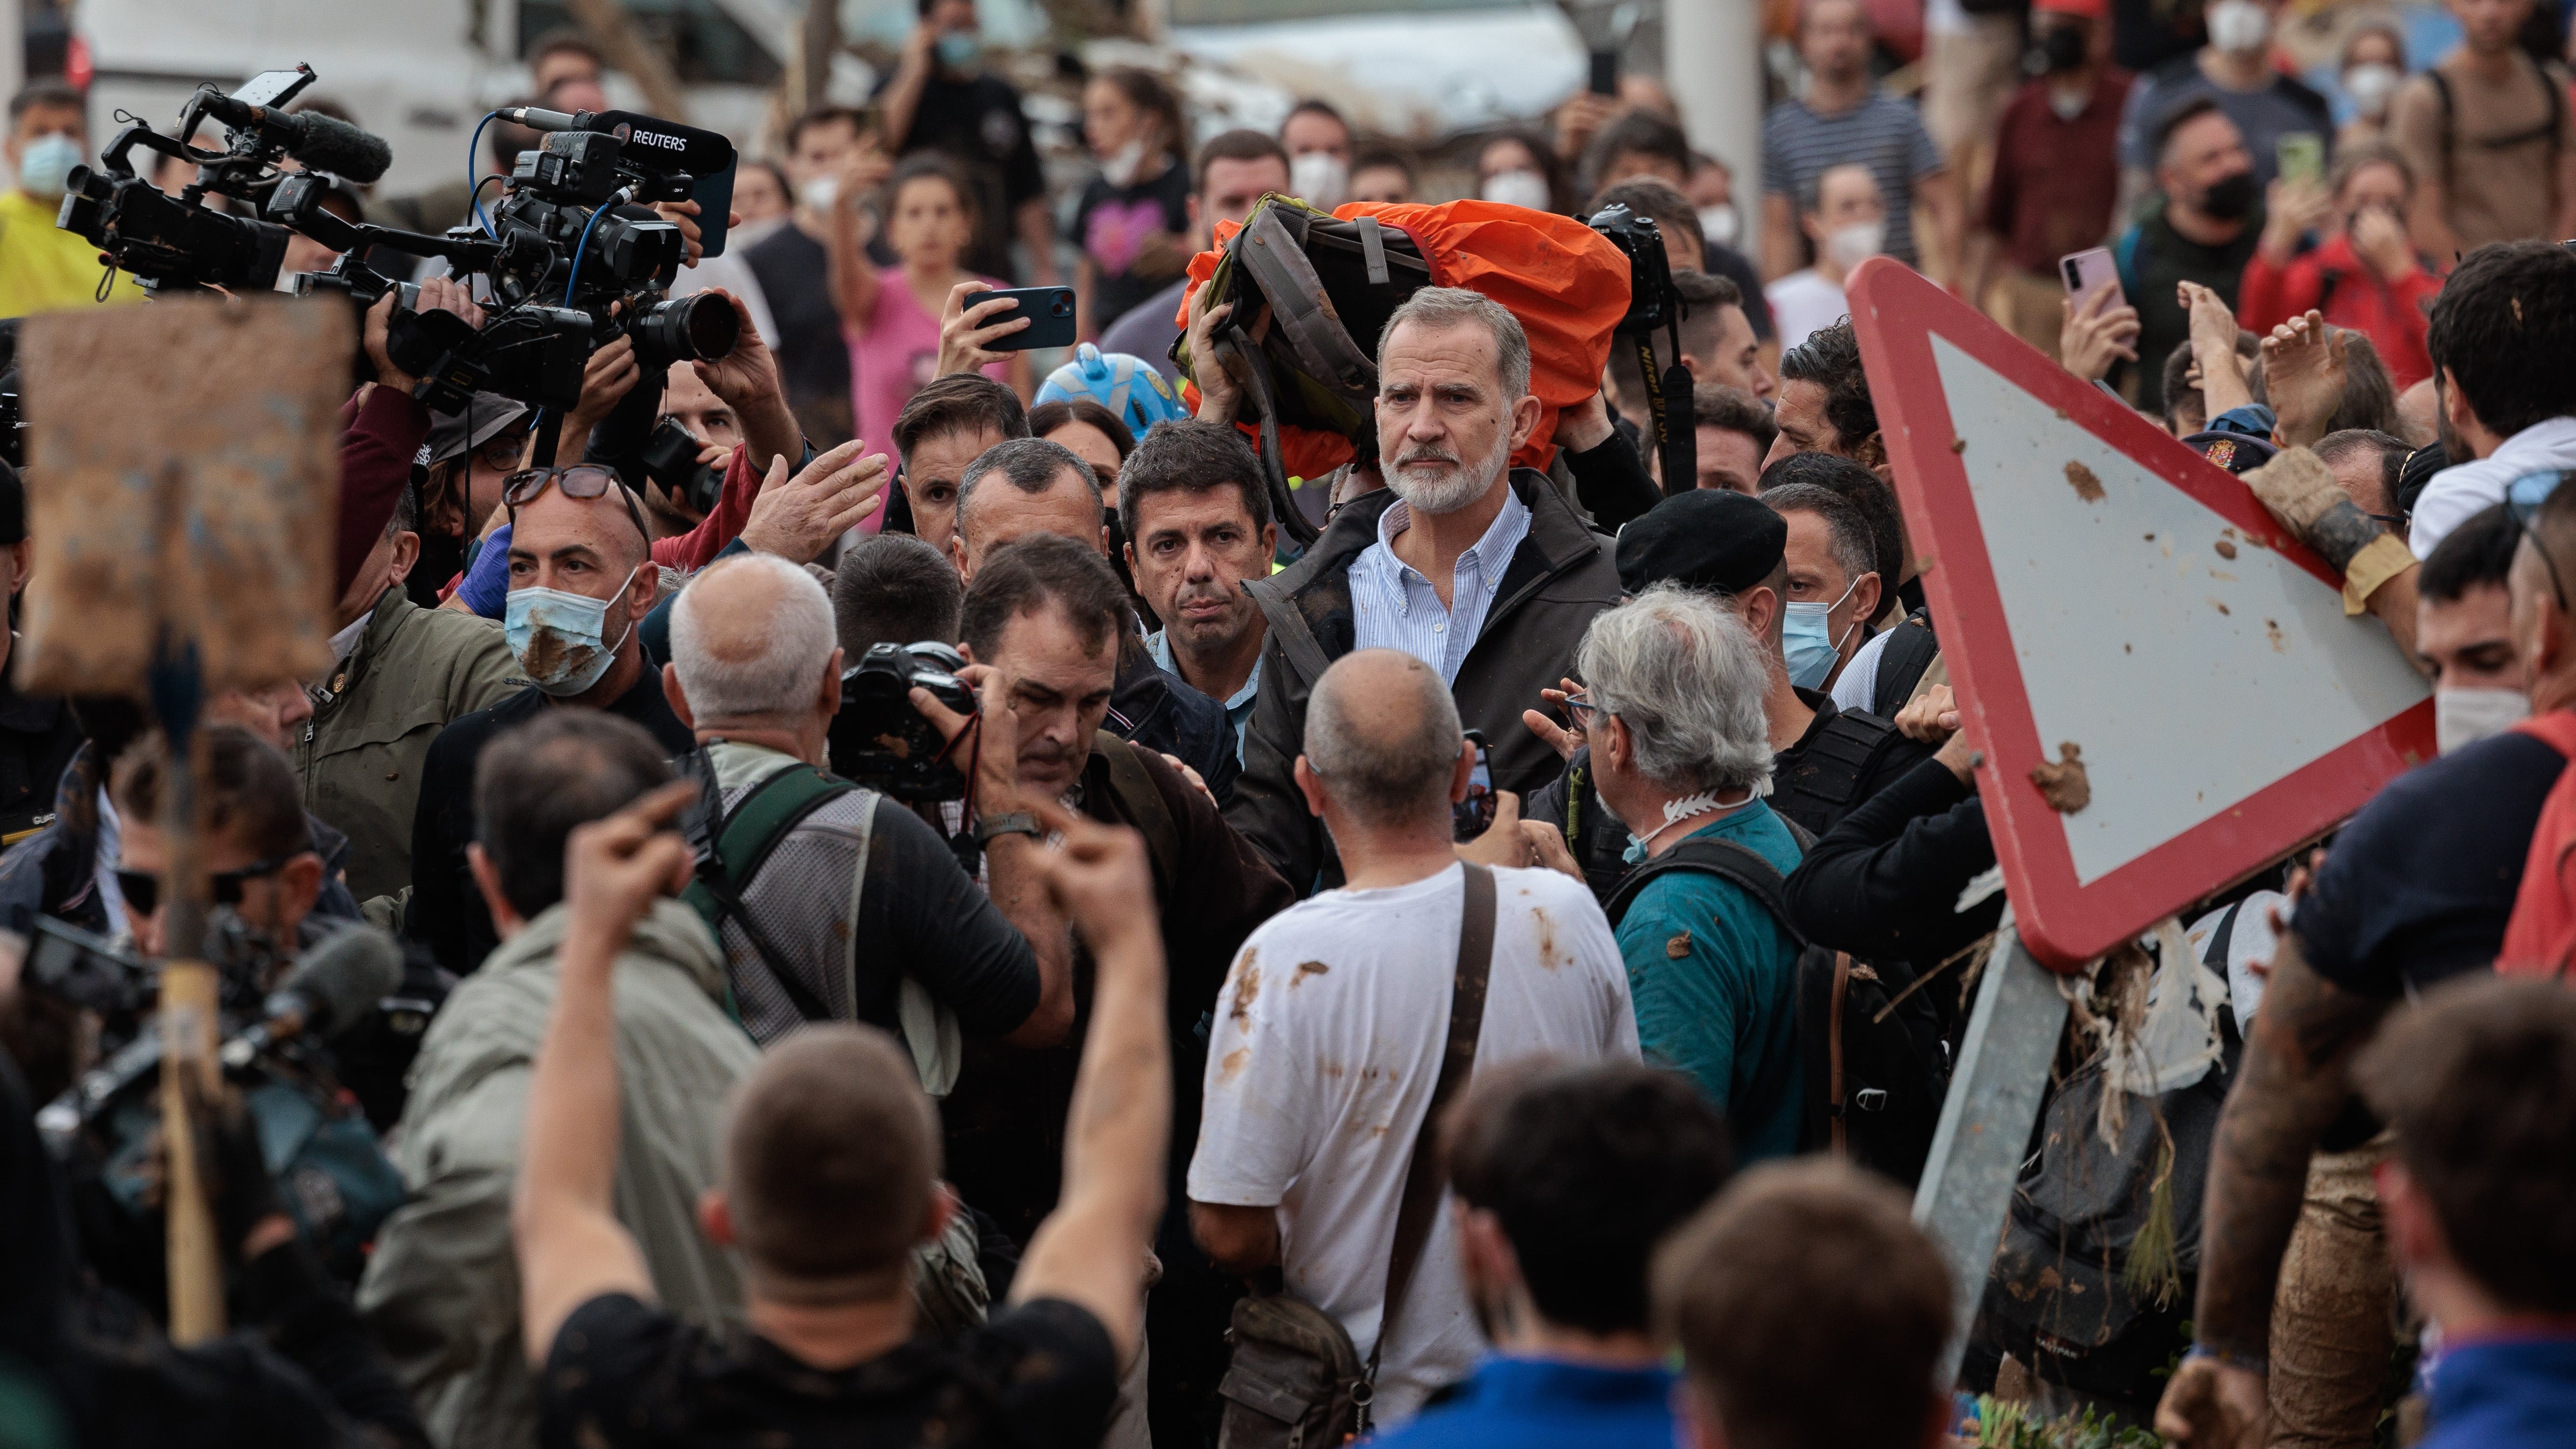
(1705, 539)
(489, 413)
(2420, 467)
(13, 507)
(2236, 452)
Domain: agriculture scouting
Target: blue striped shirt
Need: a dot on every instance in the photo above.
(1394, 605)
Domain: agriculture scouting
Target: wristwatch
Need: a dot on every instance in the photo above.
(1017, 822)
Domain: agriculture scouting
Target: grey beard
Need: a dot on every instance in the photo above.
(1458, 490)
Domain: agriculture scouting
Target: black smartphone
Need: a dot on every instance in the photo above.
(1049, 308)
(1474, 815)
(1605, 72)
(714, 196)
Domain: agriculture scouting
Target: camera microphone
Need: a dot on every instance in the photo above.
(336, 983)
(536, 118)
(323, 143)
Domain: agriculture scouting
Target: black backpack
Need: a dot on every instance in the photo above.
(1822, 783)
(1911, 647)
(1875, 1067)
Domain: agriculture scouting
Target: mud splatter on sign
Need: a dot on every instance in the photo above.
(2087, 486)
(2064, 784)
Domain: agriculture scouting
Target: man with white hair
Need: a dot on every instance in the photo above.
(1481, 571)
(832, 902)
(1681, 749)
(1326, 1061)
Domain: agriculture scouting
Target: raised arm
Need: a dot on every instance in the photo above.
(1091, 1250)
(1014, 872)
(2295, 1077)
(853, 277)
(571, 1246)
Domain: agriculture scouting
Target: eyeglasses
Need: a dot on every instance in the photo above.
(582, 481)
(142, 889)
(1581, 710)
(2522, 499)
(503, 449)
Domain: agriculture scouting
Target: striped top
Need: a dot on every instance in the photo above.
(1394, 606)
(1882, 133)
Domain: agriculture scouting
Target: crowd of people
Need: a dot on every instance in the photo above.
(959, 928)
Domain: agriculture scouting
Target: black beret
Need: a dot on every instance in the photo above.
(13, 507)
(1709, 538)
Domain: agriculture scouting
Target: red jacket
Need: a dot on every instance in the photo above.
(2334, 279)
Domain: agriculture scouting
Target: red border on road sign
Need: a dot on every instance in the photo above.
(1896, 311)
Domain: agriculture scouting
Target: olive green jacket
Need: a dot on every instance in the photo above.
(442, 1288)
(360, 755)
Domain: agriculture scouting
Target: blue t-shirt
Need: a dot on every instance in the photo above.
(2419, 886)
(2503, 1393)
(1529, 1403)
(1714, 979)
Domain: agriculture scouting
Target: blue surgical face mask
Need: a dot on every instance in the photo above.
(45, 167)
(959, 48)
(1807, 643)
(559, 637)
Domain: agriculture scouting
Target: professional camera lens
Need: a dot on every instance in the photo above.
(686, 329)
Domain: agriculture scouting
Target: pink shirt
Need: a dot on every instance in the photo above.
(896, 357)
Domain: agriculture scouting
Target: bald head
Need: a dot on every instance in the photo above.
(829, 1159)
(1382, 733)
(752, 640)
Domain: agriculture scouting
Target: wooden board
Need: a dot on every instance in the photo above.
(183, 470)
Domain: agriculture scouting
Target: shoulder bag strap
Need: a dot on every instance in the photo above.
(1422, 1180)
(743, 843)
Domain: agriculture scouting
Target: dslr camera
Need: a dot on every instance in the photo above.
(671, 460)
(879, 740)
(1653, 301)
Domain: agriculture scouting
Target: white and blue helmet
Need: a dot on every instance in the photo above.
(1122, 382)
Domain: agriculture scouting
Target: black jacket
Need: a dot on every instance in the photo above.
(1885, 883)
(1561, 576)
(1155, 708)
(446, 911)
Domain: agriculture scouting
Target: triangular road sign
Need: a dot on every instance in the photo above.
(2097, 584)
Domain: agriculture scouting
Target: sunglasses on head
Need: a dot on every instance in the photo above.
(582, 481)
(2523, 498)
(142, 889)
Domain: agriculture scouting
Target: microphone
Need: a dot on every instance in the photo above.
(536, 118)
(324, 143)
(336, 983)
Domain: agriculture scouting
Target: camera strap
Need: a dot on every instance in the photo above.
(1668, 400)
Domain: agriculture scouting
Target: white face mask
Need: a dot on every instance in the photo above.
(1319, 179)
(45, 166)
(1520, 187)
(2237, 26)
(1120, 166)
(819, 193)
(1718, 224)
(2068, 104)
(1849, 246)
(2462, 717)
(2370, 86)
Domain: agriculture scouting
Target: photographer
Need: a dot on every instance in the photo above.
(756, 674)
(615, 417)
(383, 429)
(299, 1370)
(1044, 621)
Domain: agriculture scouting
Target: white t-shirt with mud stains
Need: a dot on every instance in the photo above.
(1329, 1034)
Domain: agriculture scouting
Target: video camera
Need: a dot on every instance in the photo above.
(881, 741)
(582, 259)
(571, 258)
(1653, 301)
(178, 243)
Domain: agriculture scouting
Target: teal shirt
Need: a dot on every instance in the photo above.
(1714, 980)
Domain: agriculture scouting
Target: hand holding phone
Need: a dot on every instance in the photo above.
(1473, 816)
(1049, 311)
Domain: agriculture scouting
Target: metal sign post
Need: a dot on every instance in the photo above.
(1995, 1092)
